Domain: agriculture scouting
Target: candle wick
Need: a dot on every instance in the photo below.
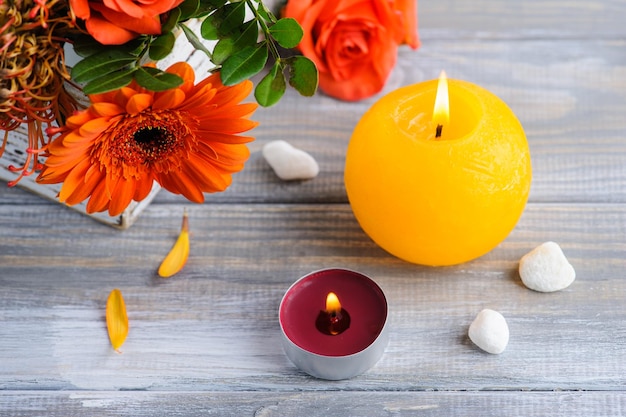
(438, 132)
(332, 322)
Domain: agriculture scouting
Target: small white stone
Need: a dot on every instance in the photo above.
(290, 163)
(546, 268)
(489, 331)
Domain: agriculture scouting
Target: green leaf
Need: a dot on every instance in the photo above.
(272, 87)
(188, 9)
(101, 64)
(224, 21)
(172, 19)
(85, 46)
(265, 13)
(155, 79)
(207, 7)
(162, 46)
(244, 64)
(110, 82)
(195, 42)
(248, 35)
(233, 15)
(287, 32)
(209, 26)
(215, 3)
(223, 49)
(303, 75)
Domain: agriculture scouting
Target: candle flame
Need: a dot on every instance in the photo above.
(333, 306)
(441, 111)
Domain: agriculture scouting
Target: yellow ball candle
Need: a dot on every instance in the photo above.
(438, 186)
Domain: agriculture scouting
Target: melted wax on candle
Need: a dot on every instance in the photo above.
(332, 323)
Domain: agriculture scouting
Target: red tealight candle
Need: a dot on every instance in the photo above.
(334, 323)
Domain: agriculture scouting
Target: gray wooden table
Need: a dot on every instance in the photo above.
(207, 341)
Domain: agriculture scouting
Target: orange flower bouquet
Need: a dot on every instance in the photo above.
(141, 124)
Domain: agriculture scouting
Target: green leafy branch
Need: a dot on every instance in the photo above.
(243, 47)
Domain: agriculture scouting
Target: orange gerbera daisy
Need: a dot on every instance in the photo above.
(184, 138)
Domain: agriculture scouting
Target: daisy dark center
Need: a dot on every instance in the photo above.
(153, 140)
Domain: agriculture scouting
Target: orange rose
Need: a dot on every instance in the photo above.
(353, 42)
(114, 22)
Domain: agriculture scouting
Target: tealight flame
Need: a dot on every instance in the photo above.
(441, 111)
(333, 306)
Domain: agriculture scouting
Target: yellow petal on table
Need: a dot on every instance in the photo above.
(117, 320)
(176, 259)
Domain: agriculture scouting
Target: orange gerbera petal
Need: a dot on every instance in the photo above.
(231, 125)
(241, 111)
(107, 109)
(74, 180)
(138, 103)
(123, 195)
(179, 184)
(84, 190)
(185, 138)
(93, 128)
(184, 71)
(99, 200)
(225, 137)
(169, 99)
(144, 186)
(208, 177)
(200, 98)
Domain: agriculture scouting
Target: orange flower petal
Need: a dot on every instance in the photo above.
(122, 6)
(177, 256)
(200, 99)
(117, 319)
(233, 95)
(204, 173)
(106, 32)
(93, 127)
(84, 189)
(99, 200)
(184, 71)
(107, 109)
(230, 125)
(80, 8)
(138, 103)
(169, 99)
(122, 196)
(145, 23)
(231, 153)
(224, 137)
(78, 119)
(122, 95)
(178, 183)
(74, 180)
(144, 186)
(231, 112)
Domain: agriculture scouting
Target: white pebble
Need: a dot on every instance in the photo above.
(290, 163)
(489, 331)
(546, 268)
